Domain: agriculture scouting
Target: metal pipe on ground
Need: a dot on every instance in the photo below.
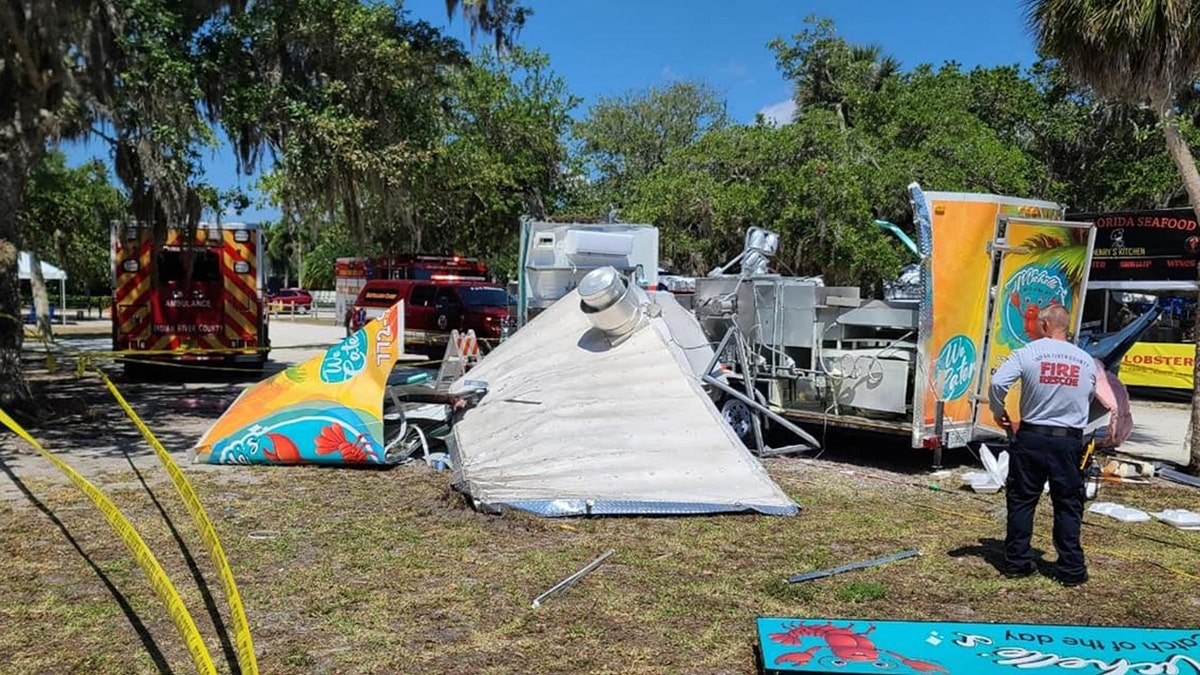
(570, 581)
(772, 415)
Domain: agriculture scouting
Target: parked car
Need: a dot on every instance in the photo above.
(434, 308)
(291, 299)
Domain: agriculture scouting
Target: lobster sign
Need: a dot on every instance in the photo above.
(840, 646)
(917, 647)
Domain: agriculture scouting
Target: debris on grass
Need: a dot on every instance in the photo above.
(1179, 477)
(883, 560)
(570, 581)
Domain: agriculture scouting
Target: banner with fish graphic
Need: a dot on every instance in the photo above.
(808, 645)
(1046, 264)
(327, 410)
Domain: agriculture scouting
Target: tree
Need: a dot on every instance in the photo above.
(626, 137)
(347, 94)
(501, 19)
(121, 70)
(484, 143)
(65, 215)
(802, 180)
(828, 72)
(1138, 53)
(1097, 155)
(502, 155)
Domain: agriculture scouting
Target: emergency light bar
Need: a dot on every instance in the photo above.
(455, 277)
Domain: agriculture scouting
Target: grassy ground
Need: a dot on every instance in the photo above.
(389, 572)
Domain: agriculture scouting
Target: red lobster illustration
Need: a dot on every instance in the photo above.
(333, 439)
(1031, 315)
(845, 644)
(285, 451)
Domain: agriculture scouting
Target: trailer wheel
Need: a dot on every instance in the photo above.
(739, 418)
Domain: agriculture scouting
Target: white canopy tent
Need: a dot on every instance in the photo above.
(573, 426)
(49, 273)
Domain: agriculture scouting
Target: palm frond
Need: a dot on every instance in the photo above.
(1129, 50)
(1042, 242)
(1050, 237)
(1070, 260)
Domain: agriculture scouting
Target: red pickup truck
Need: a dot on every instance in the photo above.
(433, 308)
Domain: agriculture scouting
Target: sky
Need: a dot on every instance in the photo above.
(610, 47)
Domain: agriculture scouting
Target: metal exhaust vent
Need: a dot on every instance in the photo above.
(609, 303)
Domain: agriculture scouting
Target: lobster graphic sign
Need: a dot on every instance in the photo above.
(917, 647)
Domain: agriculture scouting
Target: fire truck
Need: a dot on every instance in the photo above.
(351, 274)
(197, 299)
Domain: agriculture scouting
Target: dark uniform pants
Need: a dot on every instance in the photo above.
(1034, 459)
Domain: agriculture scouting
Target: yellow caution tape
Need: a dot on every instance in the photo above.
(245, 647)
(1122, 556)
(159, 580)
(51, 365)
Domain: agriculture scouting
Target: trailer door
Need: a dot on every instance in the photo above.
(1037, 263)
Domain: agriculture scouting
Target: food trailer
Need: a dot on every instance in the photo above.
(915, 366)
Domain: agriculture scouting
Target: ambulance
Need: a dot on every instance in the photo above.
(193, 299)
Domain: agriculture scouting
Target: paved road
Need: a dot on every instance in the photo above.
(291, 341)
(178, 409)
(1158, 431)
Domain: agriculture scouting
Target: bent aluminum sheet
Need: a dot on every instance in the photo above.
(572, 426)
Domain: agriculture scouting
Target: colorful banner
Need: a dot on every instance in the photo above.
(919, 648)
(327, 410)
(1046, 265)
(957, 286)
(1154, 364)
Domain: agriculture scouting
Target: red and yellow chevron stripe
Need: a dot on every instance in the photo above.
(239, 271)
(132, 294)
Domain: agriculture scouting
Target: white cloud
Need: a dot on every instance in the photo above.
(669, 74)
(778, 114)
(732, 69)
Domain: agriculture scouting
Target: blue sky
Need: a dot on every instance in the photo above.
(614, 46)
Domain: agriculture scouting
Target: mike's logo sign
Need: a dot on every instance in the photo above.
(1027, 294)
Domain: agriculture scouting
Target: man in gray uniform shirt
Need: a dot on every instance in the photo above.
(1058, 381)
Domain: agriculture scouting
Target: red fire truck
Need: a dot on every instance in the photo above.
(351, 274)
(197, 300)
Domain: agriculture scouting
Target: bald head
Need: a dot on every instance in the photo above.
(1055, 321)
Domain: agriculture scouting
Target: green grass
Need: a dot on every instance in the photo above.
(861, 591)
(389, 572)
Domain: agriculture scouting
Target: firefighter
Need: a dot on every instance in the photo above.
(1058, 382)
